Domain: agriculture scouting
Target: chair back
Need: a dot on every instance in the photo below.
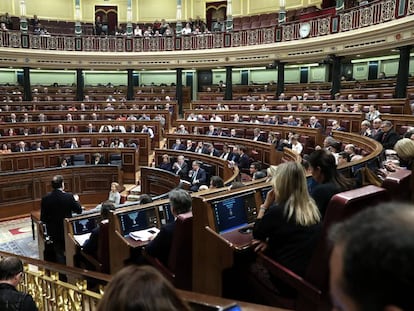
(341, 206)
(398, 185)
(102, 253)
(180, 260)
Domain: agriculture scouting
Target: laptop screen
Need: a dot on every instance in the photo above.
(85, 225)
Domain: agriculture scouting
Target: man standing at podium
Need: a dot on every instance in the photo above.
(55, 207)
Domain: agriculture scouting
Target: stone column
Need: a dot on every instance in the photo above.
(179, 25)
(282, 12)
(129, 30)
(403, 72)
(280, 78)
(78, 17)
(336, 75)
(228, 93)
(179, 90)
(79, 85)
(27, 88)
(340, 6)
(130, 91)
(229, 13)
(24, 27)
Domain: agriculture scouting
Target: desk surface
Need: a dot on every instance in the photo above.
(239, 240)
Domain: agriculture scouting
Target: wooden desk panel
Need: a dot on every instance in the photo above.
(21, 192)
(32, 160)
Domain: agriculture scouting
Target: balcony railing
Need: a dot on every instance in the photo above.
(375, 13)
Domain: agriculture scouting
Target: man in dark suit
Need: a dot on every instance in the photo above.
(180, 203)
(190, 146)
(178, 145)
(257, 136)
(227, 154)
(210, 150)
(198, 176)
(244, 161)
(21, 147)
(388, 137)
(180, 168)
(55, 207)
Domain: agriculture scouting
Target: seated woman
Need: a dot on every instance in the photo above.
(114, 195)
(329, 181)
(288, 230)
(140, 288)
(166, 163)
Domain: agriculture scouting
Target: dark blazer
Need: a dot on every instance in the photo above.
(166, 166)
(10, 296)
(183, 172)
(55, 207)
(260, 138)
(192, 148)
(161, 245)
(178, 147)
(201, 177)
(244, 161)
(388, 139)
(234, 157)
(226, 156)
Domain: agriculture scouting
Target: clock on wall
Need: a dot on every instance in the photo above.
(304, 30)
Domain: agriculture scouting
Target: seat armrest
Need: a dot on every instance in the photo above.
(290, 278)
(153, 261)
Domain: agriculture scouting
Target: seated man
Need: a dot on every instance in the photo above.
(11, 273)
(371, 262)
(197, 176)
(180, 203)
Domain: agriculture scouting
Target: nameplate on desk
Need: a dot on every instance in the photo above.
(144, 235)
(81, 238)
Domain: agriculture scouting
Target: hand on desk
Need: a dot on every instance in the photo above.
(259, 246)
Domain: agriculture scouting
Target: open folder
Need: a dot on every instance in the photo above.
(144, 235)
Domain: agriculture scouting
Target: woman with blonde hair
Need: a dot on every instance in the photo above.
(114, 195)
(288, 230)
(405, 149)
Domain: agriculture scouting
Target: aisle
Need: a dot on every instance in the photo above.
(16, 237)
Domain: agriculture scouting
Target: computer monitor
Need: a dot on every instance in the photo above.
(137, 220)
(85, 225)
(234, 212)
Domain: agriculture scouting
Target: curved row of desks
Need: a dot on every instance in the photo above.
(42, 131)
(393, 105)
(85, 140)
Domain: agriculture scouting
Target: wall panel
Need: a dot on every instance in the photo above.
(49, 77)
(102, 77)
(55, 10)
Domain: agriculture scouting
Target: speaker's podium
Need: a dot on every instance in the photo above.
(222, 228)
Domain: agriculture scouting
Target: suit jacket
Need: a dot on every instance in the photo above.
(259, 138)
(183, 172)
(160, 246)
(226, 156)
(244, 161)
(200, 177)
(178, 147)
(55, 207)
(388, 139)
(166, 166)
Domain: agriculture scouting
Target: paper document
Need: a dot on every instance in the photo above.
(144, 235)
(81, 238)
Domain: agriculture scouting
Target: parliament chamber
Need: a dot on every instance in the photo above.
(129, 98)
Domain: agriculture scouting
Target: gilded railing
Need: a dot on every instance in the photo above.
(56, 287)
(375, 13)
